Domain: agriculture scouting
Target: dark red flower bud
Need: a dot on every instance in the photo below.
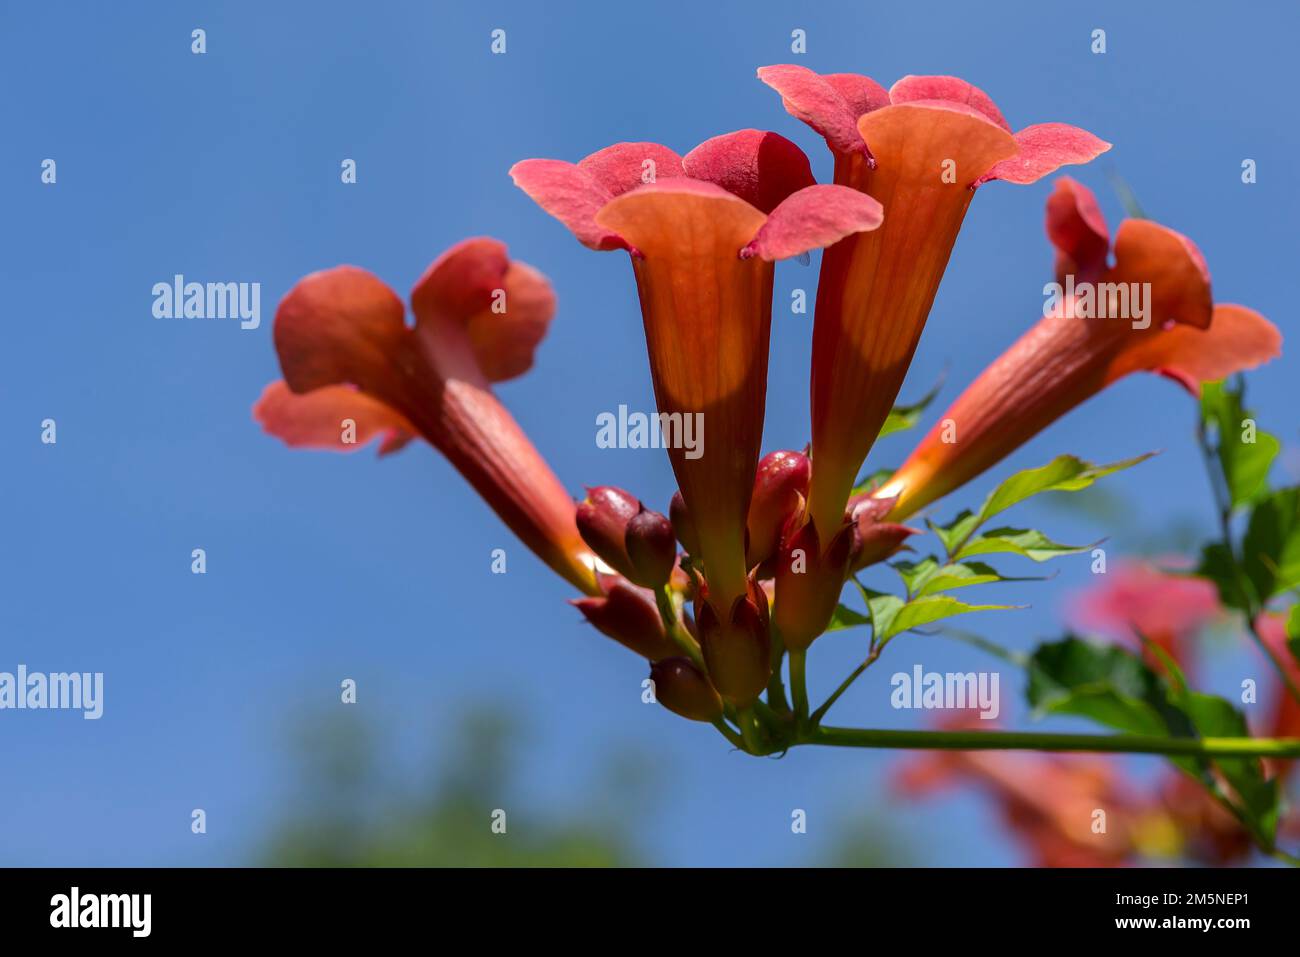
(651, 548)
(602, 522)
(737, 651)
(683, 527)
(682, 689)
(629, 615)
(874, 540)
(780, 487)
(808, 583)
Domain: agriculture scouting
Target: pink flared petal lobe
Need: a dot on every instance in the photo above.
(1045, 148)
(1077, 229)
(625, 166)
(340, 326)
(761, 168)
(505, 307)
(571, 195)
(861, 93)
(810, 97)
(913, 88)
(336, 417)
(1172, 265)
(1238, 339)
(813, 218)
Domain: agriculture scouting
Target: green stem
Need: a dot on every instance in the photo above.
(736, 740)
(799, 683)
(1050, 741)
(676, 630)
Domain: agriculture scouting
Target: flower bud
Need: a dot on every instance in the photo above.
(651, 548)
(602, 522)
(808, 583)
(630, 616)
(683, 526)
(875, 540)
(682, 689)
(737, 651)
(780, 487)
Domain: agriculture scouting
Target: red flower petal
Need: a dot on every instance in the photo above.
(1077, 230)
(813, 218)
(315, 419)
(505, 307)
(1146, 252)
(861, 93)
(623, 166)
(341, 325)
(1045, 148)
(950, 88)
(811, 98)
(761, 168)
(571, 195)
(1238, 339)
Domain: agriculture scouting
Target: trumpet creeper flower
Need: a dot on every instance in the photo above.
(1062, 361)
(921, 148)
(703, 232)
(354, 370)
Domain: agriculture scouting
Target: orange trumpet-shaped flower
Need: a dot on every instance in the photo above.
(920, 148)
(354, 370)
(1061, 361)
(703, 231)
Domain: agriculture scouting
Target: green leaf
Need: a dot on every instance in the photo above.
(930, 576)
(1214, 717)
(1245, 453)
(904, 417)
(892, 615)
(957, 531)
(1027, 542)
(1114, 687)
(1270, 551)
(1218, 565)
(1065, 473)
(846, 617)
(1108, 684)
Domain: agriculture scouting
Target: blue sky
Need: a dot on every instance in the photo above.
(225, 167)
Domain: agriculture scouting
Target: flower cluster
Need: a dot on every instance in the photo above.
(744, 569)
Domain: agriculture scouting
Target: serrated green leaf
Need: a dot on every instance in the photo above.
(930, 576)
(955, 532)
(1245, 452)
(1217, 565)
(1028, 542)
(1114, 687)
(892, 615)
(1065, 473)
(846, 617)
(904, 417)
(1108, 684)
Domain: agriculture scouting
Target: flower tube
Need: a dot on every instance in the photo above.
(1062, 361)
(703, 232)
(354, 370)
(921, 148)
